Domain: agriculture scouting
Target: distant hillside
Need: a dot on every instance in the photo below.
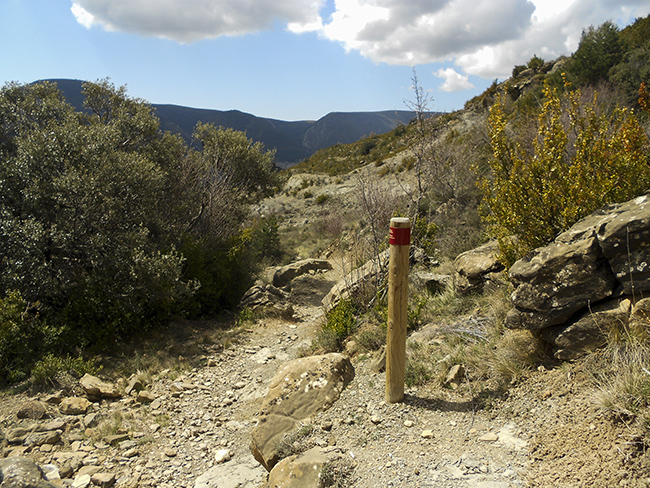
(293, 141)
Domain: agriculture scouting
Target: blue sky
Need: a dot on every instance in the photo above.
(293, 59)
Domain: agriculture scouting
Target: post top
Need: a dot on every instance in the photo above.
(400, 222)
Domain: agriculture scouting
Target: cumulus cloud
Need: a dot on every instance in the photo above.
(485, 38)
(454, 81)
(192, 20)
(482, 37)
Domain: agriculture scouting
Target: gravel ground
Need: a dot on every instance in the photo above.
(547, 432)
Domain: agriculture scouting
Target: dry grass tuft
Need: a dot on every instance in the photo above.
(623, 381)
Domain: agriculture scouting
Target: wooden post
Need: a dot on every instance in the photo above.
(398, 271)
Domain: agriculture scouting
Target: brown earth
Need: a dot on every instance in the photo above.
(546, 432)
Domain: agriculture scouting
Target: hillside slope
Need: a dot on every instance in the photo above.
(293, 140)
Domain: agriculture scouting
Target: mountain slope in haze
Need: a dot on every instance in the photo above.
(293, 141)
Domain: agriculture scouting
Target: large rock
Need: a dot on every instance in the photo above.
(478, 268)
(94, 387)
(267, 436)
(22, 472)
(283, 276)
(434, 282)
(363, 281)
(308, 290)
(575, 289)
(74, 406)
(267, 299)
(589, 331)
(299, 471)
(625, 239)
(34, 410)
(245, 474)
(556, 281)
(307, 386)
(357, 280)
(300, 390)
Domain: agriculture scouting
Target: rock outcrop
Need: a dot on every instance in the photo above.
(355, 281)
(301, 470)
(96, 388)
(284, 275)
(22, 472)
(478, 268)
(588, 281)
(299, 390)
(365, 278)
(267, 300)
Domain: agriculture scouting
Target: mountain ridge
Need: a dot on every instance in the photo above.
(293, 141)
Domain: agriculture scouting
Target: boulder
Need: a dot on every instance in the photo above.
(310, 290)
(554, 282)
(625, 239)
(300, 390)
(267, 299)
(589, 331)
(135, 385)
(50, 437)
(97, 388)
(299, 471)
(33, 410)
(434, 283)
(579, 288)
(283, 276)
(478, 268)
(246, 474)
(307, 386)
(267, 436)
(74, 406)
(377, 362)
(363, 281)
(354, 282)
(22, 472)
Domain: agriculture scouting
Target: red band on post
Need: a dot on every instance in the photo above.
(399, 236)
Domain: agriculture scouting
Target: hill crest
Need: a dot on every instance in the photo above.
(294, 141)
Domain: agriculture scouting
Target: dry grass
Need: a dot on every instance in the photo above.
(470, 333)
(622, 378)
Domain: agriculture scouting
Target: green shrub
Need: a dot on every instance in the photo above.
(581, 158)
(341, 321)
(264, 242)
(424, 233)
(46, 370)
(322, 198)
(23, 335)
(516, 71)
(371, 338)
(535, 62)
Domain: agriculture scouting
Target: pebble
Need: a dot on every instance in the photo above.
(489, 437)
(200, 420)
(222, 456)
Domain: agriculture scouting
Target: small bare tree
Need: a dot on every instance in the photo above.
(421, 144)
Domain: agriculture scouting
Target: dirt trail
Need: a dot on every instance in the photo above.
(546, 433)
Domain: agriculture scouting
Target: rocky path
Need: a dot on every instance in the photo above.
(196, 431)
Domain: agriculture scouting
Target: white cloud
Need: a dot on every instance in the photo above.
(482, 37)
(454, 81)
(485, 38)
(193, 20)
(83, 17)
